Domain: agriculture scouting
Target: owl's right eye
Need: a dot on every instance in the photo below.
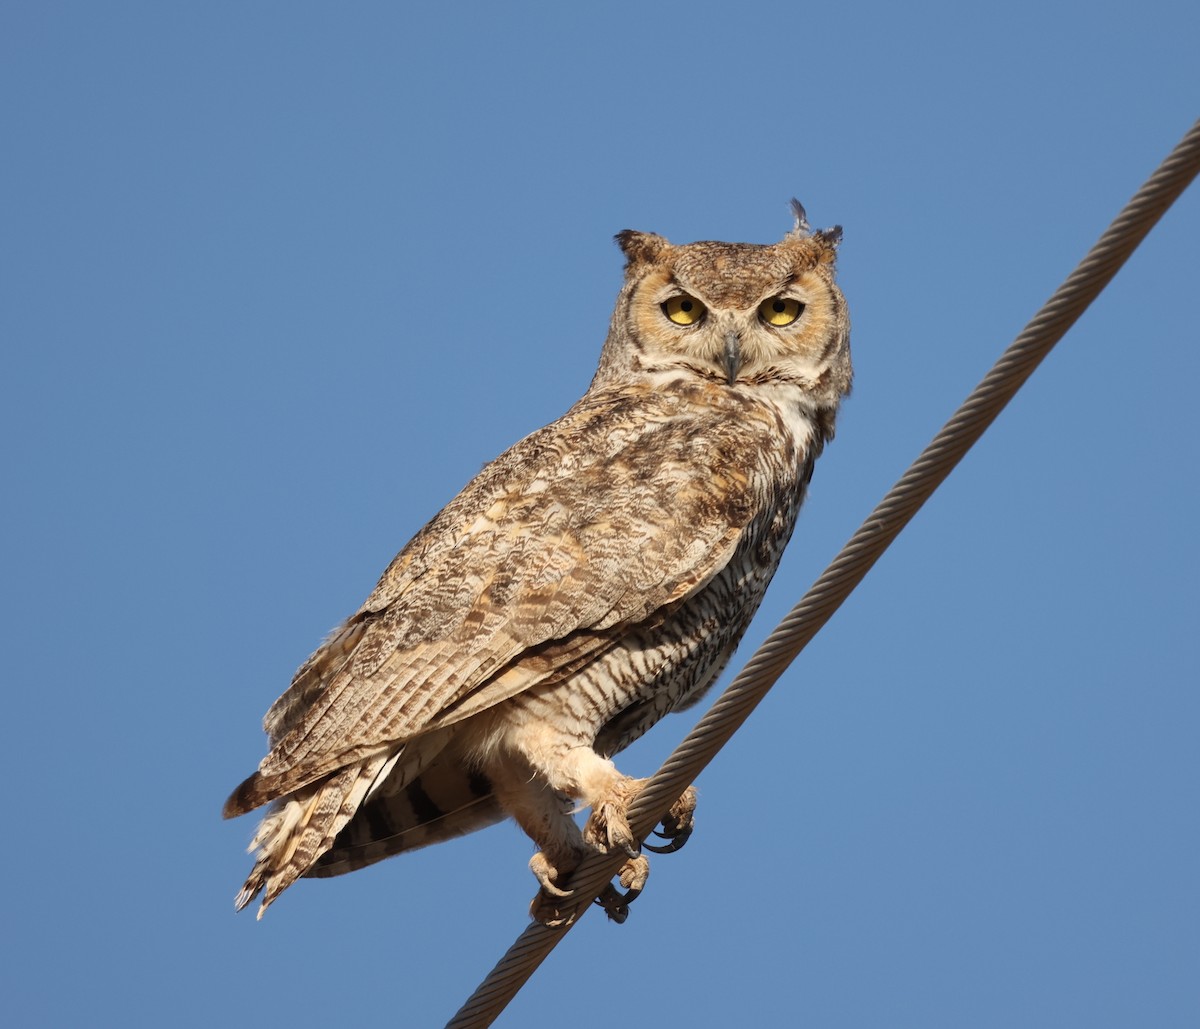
(683, 310)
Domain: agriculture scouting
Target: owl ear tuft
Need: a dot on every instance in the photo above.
(832, 236)
(641, 247)
(802, 230)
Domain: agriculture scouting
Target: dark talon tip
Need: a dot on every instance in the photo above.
(616, 903)
(675, 840)
(617, 913)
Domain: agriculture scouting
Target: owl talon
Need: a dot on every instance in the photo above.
(548, 906)
(632, 876)
(615, 903)
(607, 830)
(678, 824)
(546, 874)
(551, 912)
(608, 827)
(675, 841)
(552, 905)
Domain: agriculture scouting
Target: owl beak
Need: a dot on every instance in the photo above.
(733, 356)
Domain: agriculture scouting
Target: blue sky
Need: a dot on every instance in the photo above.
(278, 279)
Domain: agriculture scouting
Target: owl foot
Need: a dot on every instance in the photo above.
(608, 827)
(606, 831)
(677, 825)
(554, 907)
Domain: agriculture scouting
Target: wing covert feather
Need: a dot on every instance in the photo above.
(622, 507)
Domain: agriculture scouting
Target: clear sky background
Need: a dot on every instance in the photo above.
(279, 278)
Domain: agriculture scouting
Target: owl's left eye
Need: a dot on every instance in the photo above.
(780, 311)
(683, 309)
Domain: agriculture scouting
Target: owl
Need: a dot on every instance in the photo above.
(594, 577)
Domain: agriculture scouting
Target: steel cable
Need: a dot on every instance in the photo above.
(856, 558)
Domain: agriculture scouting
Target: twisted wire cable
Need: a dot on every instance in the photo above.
(856, 558)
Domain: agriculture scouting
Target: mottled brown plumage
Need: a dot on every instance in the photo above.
(595, 576)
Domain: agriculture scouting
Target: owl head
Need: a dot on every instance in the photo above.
(737, 314)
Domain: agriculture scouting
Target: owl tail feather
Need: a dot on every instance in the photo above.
(302, 827)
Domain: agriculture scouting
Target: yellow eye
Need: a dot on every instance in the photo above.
(780, 311)
(683, 310)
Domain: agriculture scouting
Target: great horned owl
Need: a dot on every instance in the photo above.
(594, 577)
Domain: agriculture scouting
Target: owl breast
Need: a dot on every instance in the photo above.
(668, 662)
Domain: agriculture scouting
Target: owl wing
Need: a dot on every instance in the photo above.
(622, 508)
